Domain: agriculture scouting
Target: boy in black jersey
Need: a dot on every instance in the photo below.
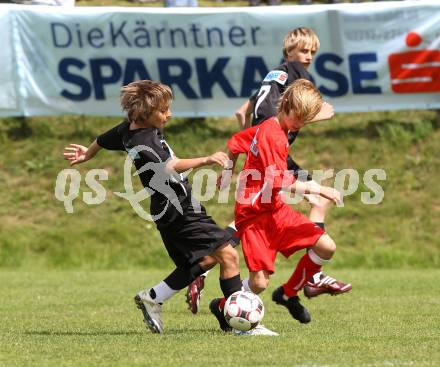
(193, 240)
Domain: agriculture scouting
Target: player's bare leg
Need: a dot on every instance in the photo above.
(257, 283)
(194, 290)
(230, 282)
(319, 207)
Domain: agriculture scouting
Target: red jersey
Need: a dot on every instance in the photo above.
(265, 224)
(265, 171)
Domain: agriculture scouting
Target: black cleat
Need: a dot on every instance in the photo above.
(215, 309)
(296, 309)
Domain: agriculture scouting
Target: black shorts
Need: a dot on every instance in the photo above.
(300, 175)
(194, 236)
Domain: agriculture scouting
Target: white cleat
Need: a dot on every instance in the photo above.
(151, 311)
(258, 330)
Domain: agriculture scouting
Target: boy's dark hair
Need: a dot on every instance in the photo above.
(141, 98)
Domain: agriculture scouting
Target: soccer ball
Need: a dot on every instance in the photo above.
(243, 310)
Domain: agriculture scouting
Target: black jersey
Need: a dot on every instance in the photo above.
(266, 100)
(170, 193)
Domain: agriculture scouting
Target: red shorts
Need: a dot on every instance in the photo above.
(283, 230)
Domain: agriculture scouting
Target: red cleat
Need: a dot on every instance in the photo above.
(321, 283)
(194, 293)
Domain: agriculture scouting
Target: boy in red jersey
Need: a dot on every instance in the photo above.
(265, 223)
(299, 48)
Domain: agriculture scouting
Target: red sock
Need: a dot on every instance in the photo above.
(304, 270)
(221, 305)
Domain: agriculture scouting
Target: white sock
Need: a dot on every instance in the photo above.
(245, 285)
(205, 274)
(315, 258)
(163, 292)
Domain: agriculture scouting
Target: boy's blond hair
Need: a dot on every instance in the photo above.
(141, 98)
(303, 98)
(300, 38)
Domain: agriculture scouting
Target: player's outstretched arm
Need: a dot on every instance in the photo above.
(182, 165)
(76, 153)
(326, 112)
(311, 187)
(224, 178)
(243, 115)
(232, 160)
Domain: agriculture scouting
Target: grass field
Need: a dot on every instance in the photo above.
(87, 318)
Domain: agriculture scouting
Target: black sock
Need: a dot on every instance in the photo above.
(230, 285)
(182, 277)
(235, 240)
(320, 225)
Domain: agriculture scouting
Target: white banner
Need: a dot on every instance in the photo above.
(373, 56)
(8, 79)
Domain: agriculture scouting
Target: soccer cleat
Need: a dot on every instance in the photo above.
(151, 311)
(214, 307)
(194, 293)
(258, 330)
(321, 283)
(296, 309)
